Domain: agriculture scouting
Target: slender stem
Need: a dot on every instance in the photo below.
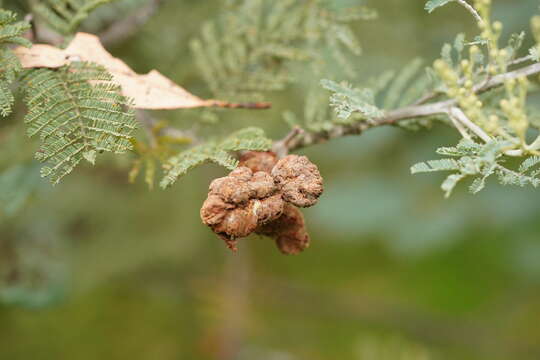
(281, 148)
(460, 116)
(230, 105)
(521, 60)
(308, 138)
(472, 10)
(535, 145)
(459, 126)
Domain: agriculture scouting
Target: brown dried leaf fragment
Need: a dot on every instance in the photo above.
(289, 231)
(299, 180)
(237, 204)
(148, 91)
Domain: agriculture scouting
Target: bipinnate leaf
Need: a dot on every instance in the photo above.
(217, 152)
(78, 113)
(347, 100)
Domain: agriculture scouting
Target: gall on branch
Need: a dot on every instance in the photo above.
(262, 196)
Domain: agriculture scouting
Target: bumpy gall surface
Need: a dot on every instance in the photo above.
(237, 204)
(289, 231)
(299, 180)
(261, 196)
(259, 160)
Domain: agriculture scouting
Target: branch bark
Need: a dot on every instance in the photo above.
(472, 10)
(305, 139)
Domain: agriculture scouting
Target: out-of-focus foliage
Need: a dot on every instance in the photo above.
(249, 48)
(393, 267)
(65, 16)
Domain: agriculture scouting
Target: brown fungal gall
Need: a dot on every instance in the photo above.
(299, 180)
(288, 231)
(237, 204)
(233, 188)
(261, 196)
(259, 160)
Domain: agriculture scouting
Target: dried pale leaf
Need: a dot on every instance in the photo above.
(149, 91)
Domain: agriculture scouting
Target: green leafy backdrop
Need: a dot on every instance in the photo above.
(394, 271)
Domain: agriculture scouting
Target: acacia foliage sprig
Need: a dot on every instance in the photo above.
(75, 118)
(11, 33)
(65, 16)
(479, 93)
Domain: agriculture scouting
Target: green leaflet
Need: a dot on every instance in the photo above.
(434, 4)
(217, 152)
(6, 98)
(390, 90)
(480, 162)
(11, 33)
(65, 16)
(347, 100)
(534, 52)
(250, 138)
(75, 119)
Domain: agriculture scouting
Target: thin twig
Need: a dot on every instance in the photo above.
(521, 60)
(230, 105)
(281, 148)
(459, 126)
(405, 113)
(458, 114)
(472, 10)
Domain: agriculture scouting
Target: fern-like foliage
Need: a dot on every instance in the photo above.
(78, 113)
(347, 100)
(472, 160)
(11, 33)
(388, 91)
(248, 48)
(65, 16)
(215, 151)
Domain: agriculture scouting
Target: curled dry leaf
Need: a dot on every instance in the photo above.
(149, 91)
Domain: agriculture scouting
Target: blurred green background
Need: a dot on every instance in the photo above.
(394, 271)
